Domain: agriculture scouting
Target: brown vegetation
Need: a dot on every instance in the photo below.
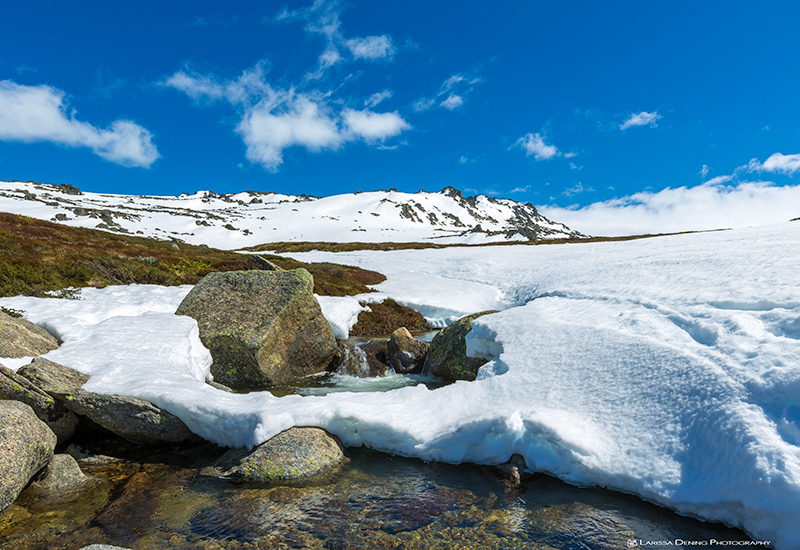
(386, 317)
(38, 257)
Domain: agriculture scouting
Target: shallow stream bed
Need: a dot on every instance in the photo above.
(375, 501)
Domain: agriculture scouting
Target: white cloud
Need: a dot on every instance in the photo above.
(570, 155)
(520, 189)
(452, 102)
(463, 160)
(535, 145)
(576, 189)
(374, 126)
(786, 164)
(273, 119)
(712, 205)
(371, 47)
(640, 119)
(39, 113)
(574, 166)
(375, 99)
(284, 120)
(704, 171)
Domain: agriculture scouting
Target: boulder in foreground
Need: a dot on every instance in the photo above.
(134, 419)
(51, 412)
(294, 454)
(447, 356)
(262, 327)
(21, 338)
(26, 446)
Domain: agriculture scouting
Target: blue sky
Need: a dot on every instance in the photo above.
(578, 107)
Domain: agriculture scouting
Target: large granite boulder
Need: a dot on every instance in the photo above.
(406, 353)
(26, 446)
(51, 412)
(262, 327)
(447, 356)
(294, 454)
(21, 338)
(135, 420)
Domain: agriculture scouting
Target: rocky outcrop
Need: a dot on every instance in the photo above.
(21, 338)
(406, 354)
(62, 471)
(447, 356)
(291, 455)
(26, 446)
(47, 409)
(262, 327)
(135, 420)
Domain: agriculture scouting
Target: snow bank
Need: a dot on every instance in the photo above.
(668, 367)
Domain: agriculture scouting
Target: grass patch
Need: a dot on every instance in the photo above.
(37, 257)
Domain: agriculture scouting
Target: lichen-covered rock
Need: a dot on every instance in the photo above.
(18, 388)
(447, 355)
(291, 455)
(62, 471)
(51, 377)
(262, 327)
(21, 338)
(406, 353)
(134, 419)
(26, 446)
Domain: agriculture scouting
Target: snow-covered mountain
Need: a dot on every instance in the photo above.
(237, 220)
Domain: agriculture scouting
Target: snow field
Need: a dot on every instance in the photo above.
(666, 367)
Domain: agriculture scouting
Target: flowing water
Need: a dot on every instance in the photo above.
(376, 501)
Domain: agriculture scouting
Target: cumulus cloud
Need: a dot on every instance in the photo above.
(712, 205)
(778, 162)
(704, 171)
(374, 127)
(534, 144)
(40, 113)
(640, 119)
(274, 119)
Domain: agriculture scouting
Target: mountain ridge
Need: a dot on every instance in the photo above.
(250, 218)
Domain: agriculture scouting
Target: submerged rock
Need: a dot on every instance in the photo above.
(262, 327)
(406, 353)
(26, 446)
(21, 338)
(62, 471)
(291, 455)
(134, 419)
(447, 356)
(51, 412)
